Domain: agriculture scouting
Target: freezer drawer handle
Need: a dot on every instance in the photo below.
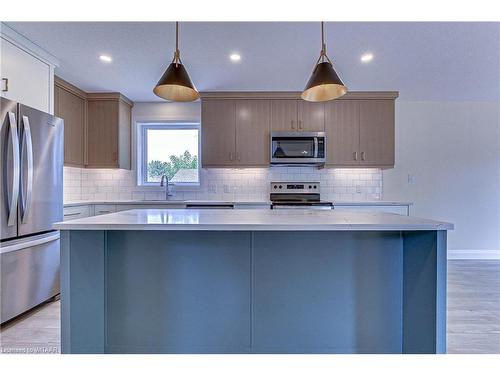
(28, 144)
(14, 139)
(26, 244)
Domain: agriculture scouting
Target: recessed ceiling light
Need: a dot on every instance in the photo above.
(105, 58)
(235, 57)
(367, 57)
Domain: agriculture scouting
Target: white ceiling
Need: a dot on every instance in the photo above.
(424, 61)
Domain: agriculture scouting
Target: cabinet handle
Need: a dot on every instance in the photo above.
(72, 214)
(362, 155)
(230, 156)
(300, 125)
(355, 155)
(293, 124)
(6, 87)
(238, 156)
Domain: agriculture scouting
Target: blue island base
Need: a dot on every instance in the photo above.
(253, 292)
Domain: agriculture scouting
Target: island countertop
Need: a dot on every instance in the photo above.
(252, 220)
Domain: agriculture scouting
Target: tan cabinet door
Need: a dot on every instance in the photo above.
(284, 115)
(311, 116)
(71, 108)
(342, 132)
(252, 132)
(376, 140)
(103, 117)
(218, 133)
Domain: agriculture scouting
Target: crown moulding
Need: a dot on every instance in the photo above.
(293, 95)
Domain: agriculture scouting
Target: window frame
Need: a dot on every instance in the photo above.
(142, 149)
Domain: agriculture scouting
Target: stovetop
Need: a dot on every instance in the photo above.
(297, 194)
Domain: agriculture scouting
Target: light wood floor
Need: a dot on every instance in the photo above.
(473, 315)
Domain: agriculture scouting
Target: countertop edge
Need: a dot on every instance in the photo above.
(172, 202)
(253, 227)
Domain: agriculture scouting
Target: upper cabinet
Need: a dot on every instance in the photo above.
(342, 129)
(295, 115)
(311, 116)
(360, 133)
(26, 76)
(218, 133)
(71, 106)
(376, 132)
(97, 127)
(284, 115)
(236, 127)
(108, 131)
(235, 133)
(252, 132)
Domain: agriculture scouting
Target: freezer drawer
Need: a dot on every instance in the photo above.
(29, 273)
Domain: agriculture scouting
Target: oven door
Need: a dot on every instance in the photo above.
(301, 207)
(298, 148)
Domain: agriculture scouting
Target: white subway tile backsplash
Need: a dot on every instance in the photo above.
(241, 184)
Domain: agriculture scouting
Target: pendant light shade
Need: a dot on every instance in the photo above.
(324, 84)
(175, 84)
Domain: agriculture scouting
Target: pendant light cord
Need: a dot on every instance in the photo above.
(322, 54)
(177, 53)
(323, 45)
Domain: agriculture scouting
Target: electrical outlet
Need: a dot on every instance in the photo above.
(358, 189)
(226, 189)
(212, 188)
(411, 179)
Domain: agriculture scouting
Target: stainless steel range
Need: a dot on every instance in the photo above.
(297, 195)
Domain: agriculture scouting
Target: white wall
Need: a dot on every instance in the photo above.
(452, 151)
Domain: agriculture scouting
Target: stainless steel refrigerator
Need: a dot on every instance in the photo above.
(32, 152)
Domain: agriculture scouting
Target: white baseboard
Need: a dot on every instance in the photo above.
(474, 254)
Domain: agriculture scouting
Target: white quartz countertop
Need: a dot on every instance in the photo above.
(208, 202)
(252, 219)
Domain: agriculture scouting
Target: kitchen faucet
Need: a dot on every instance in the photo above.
(164, 182)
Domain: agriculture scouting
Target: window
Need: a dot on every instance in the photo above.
(170, 149)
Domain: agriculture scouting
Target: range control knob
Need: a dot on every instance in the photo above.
(310, 186)
(281, 187)
(275, 186)
(315, 186)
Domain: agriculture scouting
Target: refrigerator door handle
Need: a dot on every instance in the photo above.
(28, 144)
(14, 139)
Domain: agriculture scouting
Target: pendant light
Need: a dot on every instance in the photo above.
(175, 84)
(324, 83)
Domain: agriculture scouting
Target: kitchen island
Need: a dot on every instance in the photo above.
(253, 281)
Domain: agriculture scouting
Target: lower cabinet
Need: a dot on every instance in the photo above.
(78, 212)
(126, 207)
(400, 210)
(103, 209)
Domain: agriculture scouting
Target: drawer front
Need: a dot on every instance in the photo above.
(103, 209)
(400, 210)
(125, 207)
(76, 212)
(248, 206)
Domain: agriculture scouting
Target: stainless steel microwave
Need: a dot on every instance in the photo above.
(289, 148)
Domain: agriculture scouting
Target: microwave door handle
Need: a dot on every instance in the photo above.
(315, 147)
(14, 139)
(28, 144)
